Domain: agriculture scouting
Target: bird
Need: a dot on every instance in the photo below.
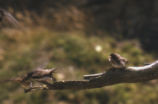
(40, 73)
(6, 16)
(117, 61)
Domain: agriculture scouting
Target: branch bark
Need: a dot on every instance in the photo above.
(112, 76)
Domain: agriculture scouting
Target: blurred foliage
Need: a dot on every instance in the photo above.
(75, 54)
(128, 18)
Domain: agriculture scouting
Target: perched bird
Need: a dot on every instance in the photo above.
(117, 61)
(6, 16)
(40, 73)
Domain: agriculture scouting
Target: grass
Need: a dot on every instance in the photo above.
(75, 54)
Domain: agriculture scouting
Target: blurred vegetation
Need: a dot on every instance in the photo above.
(77, 37)
(75, 54)
(128, 18)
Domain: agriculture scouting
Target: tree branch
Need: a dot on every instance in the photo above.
(112, 76)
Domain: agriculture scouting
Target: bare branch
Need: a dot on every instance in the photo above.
(112, 76)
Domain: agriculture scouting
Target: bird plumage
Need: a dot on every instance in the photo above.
(40, 73)
(117, 61)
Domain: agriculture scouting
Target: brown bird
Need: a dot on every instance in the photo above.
(117, 61)
(6, 16)
(40, 74)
